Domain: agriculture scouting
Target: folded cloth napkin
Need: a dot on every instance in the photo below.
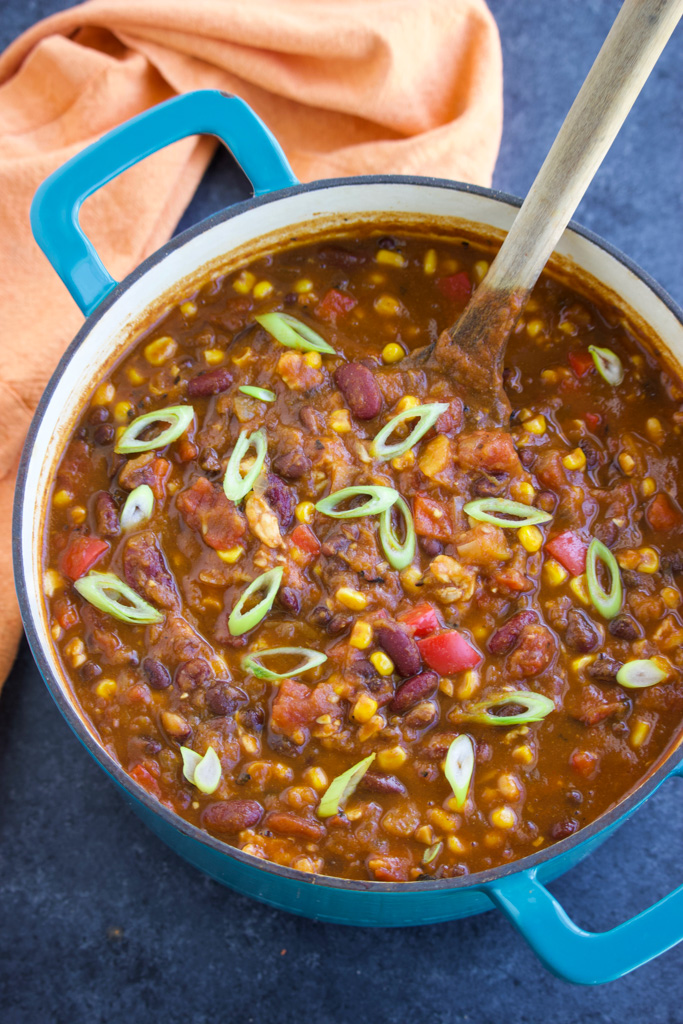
(347, 86)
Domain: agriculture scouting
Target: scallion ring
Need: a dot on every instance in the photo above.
(235, 485)
(240, 622)
(96, 588)
(607, 602)
(536, 706)
(636, 675)
(426, 415)
(379, 499)
(432, 853)
(398, 553)
(138, 507)
(608, 364)
(483, 509)
(309, 659)
(207, 774)
(341, 788)
(178, 418)
(263, 394)
(293, 333)
(459, 768)
(190, 761)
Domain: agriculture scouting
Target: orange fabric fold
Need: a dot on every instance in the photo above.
(348, 87)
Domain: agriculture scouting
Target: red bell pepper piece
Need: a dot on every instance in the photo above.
(305, 539)
(581, 362)
(431, 518)
(456, 287)
(593, 420)
(335, 303)
(421, 620)
(570, 551)
(81, 553)
(448, 652)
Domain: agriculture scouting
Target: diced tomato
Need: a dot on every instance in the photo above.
(513, 579)
(66, 612)
(584, 762)
(581, 361)
(456, 287)
(448, 652)
(593, 420)
(421, 620)
(570, 551)
(305, 539)
(81, 553)
(662, 515)
(335, 303)
(431, 518)
(145, 779)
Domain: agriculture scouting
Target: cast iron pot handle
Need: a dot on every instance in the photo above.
(587, 958)
(56, 204)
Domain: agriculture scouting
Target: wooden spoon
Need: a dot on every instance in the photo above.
(471, 352)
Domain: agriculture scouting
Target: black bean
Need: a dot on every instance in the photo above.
(100, 414)
(430, 546)
(290, 600)
(604, 669)
(338, 256)
(104, 434)
(224, 699)
(490, 485)
(581, 634)
(338, 623)
(607, 532)
(193, 673)
(562, 829)
(157, 674)
(527, 456)
(292, 464)
(89, 671)
(624, 627)
(320, 616)
(281, 500)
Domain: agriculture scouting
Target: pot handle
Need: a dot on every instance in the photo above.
(587, 958)
(56, 204)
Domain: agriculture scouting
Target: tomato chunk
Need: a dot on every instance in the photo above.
(80, 554)
(456, 287)
(144, 778)
(431, 518)
(448, 652)
(335, 303)
(581, 362)
(570, 551)
(421, 620)
(305, 540)
(662, 515)
(593, 420)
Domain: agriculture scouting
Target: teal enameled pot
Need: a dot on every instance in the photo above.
(280, 209)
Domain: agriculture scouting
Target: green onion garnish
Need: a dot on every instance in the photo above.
(178, 417)
(239, 622)
(379, 499)
(263, 394)
(190, 761)
(341, 788)
(235, 485)
(608, 364)
(433, 852)
(96, 588)
(537, 707)
(459, 768)
(138, 507)
(207, 774)
(636, 675)
(310, 659)
(398, 554)
(293, 333)
(607, 603)
(426, 415)
(483, 509)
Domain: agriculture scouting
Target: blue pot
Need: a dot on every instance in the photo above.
(279, 206)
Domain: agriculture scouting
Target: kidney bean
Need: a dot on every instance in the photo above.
(527, 456)
(293, 464)
(360, 390)
(193, 673)
(338, 623)
(230, 816)
(290, 600)
(562, 829)
(397, 642)
(106, 515)
(146, 572)
(604, 669)
(320, 616)
(412, 691)
(624, 627)
(507, 636)
(337, 256)
(289, 824)
(281, 500)
(224, 699)
(581, 634)
(213, 382)
(157, 674)
(430, 546)
(607, 532)
(377, 782)
(310, 419)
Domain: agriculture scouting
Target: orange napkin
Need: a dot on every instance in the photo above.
(348, 87)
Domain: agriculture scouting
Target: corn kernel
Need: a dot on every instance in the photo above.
(405, 461)
(523, 491)
(579, 588)
(523, 754)
(655, 430)
(648, 561)
(56, 631)
(303, 286)
(361, 635)
(352, 599)
(407, 402)
(393, 352)
(575, 460)
(382, 662)
(424, 835)
(671, 597)
(249, 744)
(549, 376)
(78, 514)
(447, 686)
(430, 262)
(377, 278)
(211, 603)
(371, 728)
(231, 555)
(469, 685)
(262, 289)
(305, 511)
(480, 270)
(75, 651)
(628, 558)
(387, 305)
(188, 308)
(391, 758)
(578, 664)
(243, 358)
(52, 582)
(554, 573)
(648, 487)
(134, 376)
(443, 820)
(121, 412)
(104, 394)
(503, 817)
(640, 731)
(390, 258)
(62, 498)
(534, 328)
(106, 688)
(214, 356)
(314, 360)
(536, 425)
(340, 421)
(456, 846)
(316, 778)
(411, 579)
(627, 463)
(567, 327)
(244, 282)
(509, 786)
(160, 351)
(364, 708)
(530, 538)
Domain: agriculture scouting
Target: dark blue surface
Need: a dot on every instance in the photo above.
(99, 922)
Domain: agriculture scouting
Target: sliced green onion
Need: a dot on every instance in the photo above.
(178, 417)
(138, 507)
(380, 498)
(459, 768)
(239, 622)
(96, 588)
(207, 774)
(310, 659)
(537, 707)
(293, 333)
(398, 554)
(636, 675)
(341, 788)
(608, 602)
(608, 364)
(235, 485)
(483, 509)
(433, 852)
(426, 415)
(190, 761)
(263, 394)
